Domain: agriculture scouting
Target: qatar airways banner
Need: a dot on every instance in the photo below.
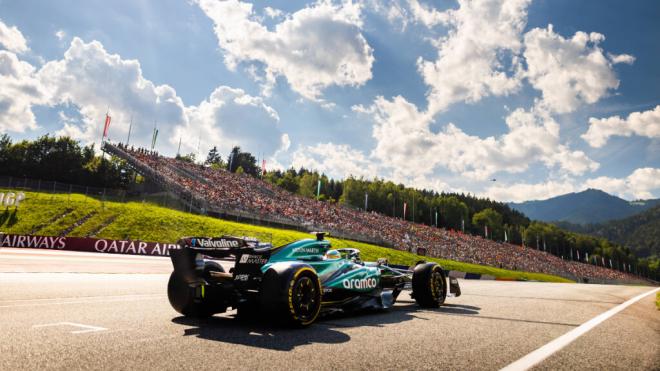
(86, 244)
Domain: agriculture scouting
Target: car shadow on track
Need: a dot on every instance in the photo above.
(459, 309)
(258, 332)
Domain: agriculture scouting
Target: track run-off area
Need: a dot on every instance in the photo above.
(66, 310)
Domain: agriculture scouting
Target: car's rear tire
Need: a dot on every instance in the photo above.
(429, 285)
(292, 295)
(183, 297)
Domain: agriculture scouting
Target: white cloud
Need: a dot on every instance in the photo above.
(406, 144)
(227, 118)
(273, 13)
(427, 16)
(645, 124)
(335, 160)
(471, 59)
(60, 34)
(12, 39)
(568, 72)
(519, 192)
(93, 80)
(19, 91)
(621, 58)
(315, 47)
(643, 183)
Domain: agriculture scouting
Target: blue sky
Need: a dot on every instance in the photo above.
(546, 97)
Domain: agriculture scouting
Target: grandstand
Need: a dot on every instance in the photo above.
(218, 192)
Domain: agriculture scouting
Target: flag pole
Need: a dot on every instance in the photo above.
(107, 112)
(130, 127)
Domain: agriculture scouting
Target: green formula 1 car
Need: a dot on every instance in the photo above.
(293, 283)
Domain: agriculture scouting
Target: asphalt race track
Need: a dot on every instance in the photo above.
(62, 310)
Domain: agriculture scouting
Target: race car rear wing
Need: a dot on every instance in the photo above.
(223, 247)
(188, 258)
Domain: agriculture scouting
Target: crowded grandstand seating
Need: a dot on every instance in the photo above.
(218, 189)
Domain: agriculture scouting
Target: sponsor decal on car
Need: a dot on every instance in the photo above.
(364, 283)
(242, 277)
(202, 242)
(306, 250)
(252, 259)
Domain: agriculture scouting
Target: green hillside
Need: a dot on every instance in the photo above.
(640, 232)
(55, 214)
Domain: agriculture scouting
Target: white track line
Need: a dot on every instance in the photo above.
(87, 328)
(82, 302)
(100, 259)
(103, 297)
(540, 354)
(29, 251)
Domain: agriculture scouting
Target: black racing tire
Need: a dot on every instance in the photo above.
(293, 295)
(182, 296)
(429, 285)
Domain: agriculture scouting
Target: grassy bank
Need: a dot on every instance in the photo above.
(53, 214)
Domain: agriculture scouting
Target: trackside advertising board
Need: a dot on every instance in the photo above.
(86, 244)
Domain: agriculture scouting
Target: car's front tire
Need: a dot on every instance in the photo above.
(429, 285)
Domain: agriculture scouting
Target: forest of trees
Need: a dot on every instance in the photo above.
(65, 160)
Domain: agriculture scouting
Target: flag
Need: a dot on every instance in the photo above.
(486, 231)
(586, 257)
(505, 237)
(578, 254)
(318, 189)
(610, 263)
(154, 138)
(436, 218)
(263, 166)
(603, 259)
(366, 199)
(106, 125)
(405, 206)
(463, 225)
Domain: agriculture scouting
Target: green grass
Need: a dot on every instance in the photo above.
(148, 222)
(657, 300)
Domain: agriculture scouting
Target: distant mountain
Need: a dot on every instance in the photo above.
(640, 232)
(586, 207)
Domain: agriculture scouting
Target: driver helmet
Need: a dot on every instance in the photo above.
(332, 254)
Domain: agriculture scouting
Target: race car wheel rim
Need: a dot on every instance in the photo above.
(305, 298)
(436, 284)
